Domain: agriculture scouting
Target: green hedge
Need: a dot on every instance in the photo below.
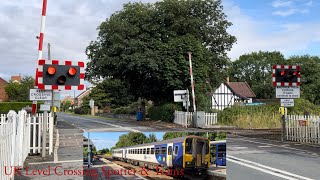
(5, 107)
(164, 112)
(81, 110)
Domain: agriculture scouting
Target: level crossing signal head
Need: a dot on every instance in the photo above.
(61, 75)
(286, 75)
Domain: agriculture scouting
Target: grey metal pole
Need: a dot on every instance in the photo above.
(89, 150)
(44, 133)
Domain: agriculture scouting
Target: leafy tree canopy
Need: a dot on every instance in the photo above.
(19, 91)
(145, 46)
(134, 138)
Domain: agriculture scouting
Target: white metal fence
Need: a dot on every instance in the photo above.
(20, 135)
(303, 128)
(185, 119)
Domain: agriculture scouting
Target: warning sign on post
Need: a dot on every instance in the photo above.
(288, 92)
(40, 95)
(287, 102)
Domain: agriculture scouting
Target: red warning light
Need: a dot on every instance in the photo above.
(51, 70)
(72, 71)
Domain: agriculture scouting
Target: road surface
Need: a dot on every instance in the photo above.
(252, 158)
(100, 124)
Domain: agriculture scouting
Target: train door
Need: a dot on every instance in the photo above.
(199, 153)
(177, 155)
(124, 153)
(169, 154)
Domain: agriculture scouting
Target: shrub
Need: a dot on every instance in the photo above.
(164, 112)
(5, 107)
(81, 110)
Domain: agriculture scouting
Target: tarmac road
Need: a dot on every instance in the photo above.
(100, 124)
(253, 158)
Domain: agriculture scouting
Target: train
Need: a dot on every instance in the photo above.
(220, 152)
(190, 154)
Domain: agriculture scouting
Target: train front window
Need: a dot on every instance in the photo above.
(157, 151)
(176, 148)
(221, 150)
(189, 146)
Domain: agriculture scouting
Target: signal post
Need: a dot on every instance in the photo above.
(286, 80)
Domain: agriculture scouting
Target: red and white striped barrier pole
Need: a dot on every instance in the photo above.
(42, 27)
(192, 84)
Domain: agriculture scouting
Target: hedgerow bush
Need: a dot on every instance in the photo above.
(81, 110)
(263, 116)
(164, 112)
(5, 107)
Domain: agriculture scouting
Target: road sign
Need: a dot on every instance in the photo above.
(179, 95)
(40, 95)
(288, 92)
(287, 102)
(44, 107)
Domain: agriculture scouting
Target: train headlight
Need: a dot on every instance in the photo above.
(188, 163)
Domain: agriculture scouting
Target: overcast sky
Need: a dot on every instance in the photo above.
(289, 26)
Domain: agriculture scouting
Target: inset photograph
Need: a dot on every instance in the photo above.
(154, 155)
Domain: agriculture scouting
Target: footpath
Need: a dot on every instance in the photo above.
(66, 161)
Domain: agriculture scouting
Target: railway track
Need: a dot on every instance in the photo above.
(152, 173)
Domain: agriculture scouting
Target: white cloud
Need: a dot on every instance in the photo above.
(254, 35)
(309, 3)
(289, 12)
(281, 3)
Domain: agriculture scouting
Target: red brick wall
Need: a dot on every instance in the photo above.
(3, 94)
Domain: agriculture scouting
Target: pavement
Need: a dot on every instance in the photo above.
(66, 163)
(100, 124)
(254, 158)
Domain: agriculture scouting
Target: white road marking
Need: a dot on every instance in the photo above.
(109, 124)
(264, 146)
(285, 147)
(266, 169)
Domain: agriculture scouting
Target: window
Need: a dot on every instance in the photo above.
(189, 146)
(148, 150)
(170, 150)
(176, 148)
(136, 151)
(144, 151)
(163, 150)
(157, 151)
(152, 151)
(140, 151)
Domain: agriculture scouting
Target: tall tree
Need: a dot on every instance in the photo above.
(146, 45)
(19, 91)
(310, 76)
(256, 69)
(130, 139)
(152, 138)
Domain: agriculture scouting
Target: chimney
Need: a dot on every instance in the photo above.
(227, 79)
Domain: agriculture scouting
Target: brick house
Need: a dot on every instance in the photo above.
(3, 94)
(81, 96)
